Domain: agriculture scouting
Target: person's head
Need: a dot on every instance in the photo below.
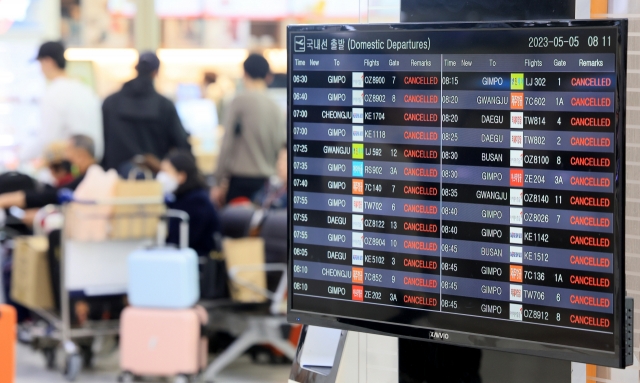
(281, 164)
(179, 173)
(256, 68)
(148, 65)
(51, 58)
(59, 166)
(210, 78)
(60, 171)
(81, 152)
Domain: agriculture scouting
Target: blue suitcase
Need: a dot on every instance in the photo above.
(165, 277)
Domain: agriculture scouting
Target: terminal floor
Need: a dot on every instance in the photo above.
(31, 369)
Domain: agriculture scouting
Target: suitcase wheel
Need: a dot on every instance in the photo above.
(72, 367)
(182, 379)
(127, 377)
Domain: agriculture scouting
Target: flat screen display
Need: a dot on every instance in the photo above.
(485, 10)
(461, 183)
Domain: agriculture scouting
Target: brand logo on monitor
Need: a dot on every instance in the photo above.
(517, 81)
(515, 311)
(357, 187)
(515, 273)
(357, 275)
(439, 335)
(515, 235)
(517, 100)
(515, 215)
(357, 115)
(517, 140)
(357, 222)
(357, 97)
(357, 79)
(517, 158)
(515, 197)
(357, 204)
(357, 169)
(358, 151)
(357, 257)
(515, 293)
(516, 177)
(357, 240)
(517, 120)
(515, 254)
(357, 133)
(299, 44)
(357, 293)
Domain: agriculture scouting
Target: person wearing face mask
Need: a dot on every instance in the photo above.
(186, 190)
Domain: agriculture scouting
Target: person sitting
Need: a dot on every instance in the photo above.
(80, 153)
(186, 190)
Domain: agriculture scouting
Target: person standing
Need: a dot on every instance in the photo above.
(68, 107)
(138, 121)
(254, 133)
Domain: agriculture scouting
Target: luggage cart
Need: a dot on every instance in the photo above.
(94, 262)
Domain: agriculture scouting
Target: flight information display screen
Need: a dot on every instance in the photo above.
(457, 179)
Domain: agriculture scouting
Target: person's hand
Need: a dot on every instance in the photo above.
(30, 217)
(217, 195)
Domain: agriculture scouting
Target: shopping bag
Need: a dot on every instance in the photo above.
(30, 281)
(85, 221)
(246, 252)
(138, 220)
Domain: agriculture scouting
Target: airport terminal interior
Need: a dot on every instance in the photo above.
(320, 191)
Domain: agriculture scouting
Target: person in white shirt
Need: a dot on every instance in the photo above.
(68, 107)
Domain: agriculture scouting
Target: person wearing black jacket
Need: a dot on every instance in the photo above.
(138, 121)
(80, 153)
(186, 190)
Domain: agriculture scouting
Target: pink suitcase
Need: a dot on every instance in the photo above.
(156, 342)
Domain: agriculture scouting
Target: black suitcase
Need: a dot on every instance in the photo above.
(14, 181)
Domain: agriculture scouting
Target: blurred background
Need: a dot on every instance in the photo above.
(201, 45)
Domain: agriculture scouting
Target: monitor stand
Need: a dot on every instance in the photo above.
(319, 361)
(326, 371)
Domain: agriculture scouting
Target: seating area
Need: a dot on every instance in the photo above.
(250, 320)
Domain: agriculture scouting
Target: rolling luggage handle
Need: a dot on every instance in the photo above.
(184, 227)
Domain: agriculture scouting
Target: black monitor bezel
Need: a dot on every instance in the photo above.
(611, 359)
